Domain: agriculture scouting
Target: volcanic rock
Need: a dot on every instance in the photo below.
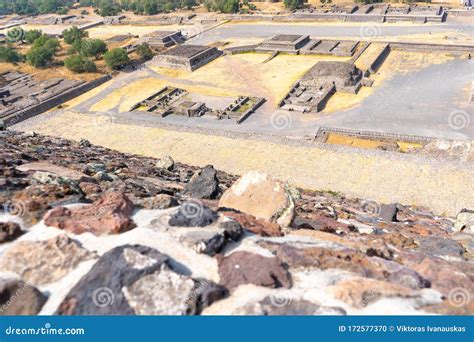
(43, 262)
(162, 201)
(254, 225)
(108, 215)
(388, 212)
(192, 214)
(262, 196)
(361, 292)
(48, 169)
(247, 268)
(9, 231)
(204, 184)
(19, 298)
(166, 163)
(132, 280)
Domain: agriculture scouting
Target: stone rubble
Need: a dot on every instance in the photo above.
(89, 231)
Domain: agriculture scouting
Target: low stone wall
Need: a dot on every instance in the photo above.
(378, 61)
(252, 109)
(240, 49)
(431, 47)
(91, 25)
(52, 102)
(354, 17)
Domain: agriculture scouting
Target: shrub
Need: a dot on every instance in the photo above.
(72, 34)
(293, 4)
(116, 58)
(9, 55)
(40, 56)
(47, 42)
(144, 52)
(32, 35)
(92, 47)
(79, 64)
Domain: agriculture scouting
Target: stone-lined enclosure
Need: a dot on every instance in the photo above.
(177, 101)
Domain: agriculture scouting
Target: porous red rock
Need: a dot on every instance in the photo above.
(254, 225)
(248, 268)
(108, 215)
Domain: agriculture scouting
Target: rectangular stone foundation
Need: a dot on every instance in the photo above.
(188, 57)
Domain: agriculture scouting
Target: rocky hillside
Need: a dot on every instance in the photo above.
(87, 230)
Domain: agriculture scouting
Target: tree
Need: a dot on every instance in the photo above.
(224, 6)
(39, 57)
(9, 55)
(72, 34)
(116, 58)
(92, 47)
(52, 44)
(144, 52)
(32, 35)
(107, 8)
(79, 64)
(45, 41)
(293, 4)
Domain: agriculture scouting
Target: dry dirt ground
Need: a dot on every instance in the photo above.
(381, 176)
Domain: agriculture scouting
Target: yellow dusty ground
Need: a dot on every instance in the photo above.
(408, 146)
(449, 37)
(404, 62)
(132, 93)
(382, 176)
(270, 6)
(338, 139)
(247, 74)
(104, 32)
(47, 73)
(243, 74)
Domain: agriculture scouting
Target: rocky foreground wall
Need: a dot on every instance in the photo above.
(90, 231)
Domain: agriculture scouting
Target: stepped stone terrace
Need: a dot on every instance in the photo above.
(189, 57)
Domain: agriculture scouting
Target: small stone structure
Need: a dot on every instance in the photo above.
(52, 19)
(188, 57)
(163, 39)
(285, 42)
(344, 76)
(177, 101)
(315, 88)
(302, 44)
(119, 38)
